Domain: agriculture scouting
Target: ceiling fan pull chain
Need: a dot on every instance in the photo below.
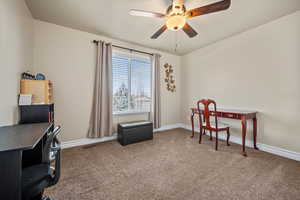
(176, 42)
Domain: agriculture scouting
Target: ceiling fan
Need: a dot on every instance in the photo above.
(177, 15)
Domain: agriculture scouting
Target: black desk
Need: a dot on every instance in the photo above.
(13, 141)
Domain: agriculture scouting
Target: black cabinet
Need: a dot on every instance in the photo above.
(133, 132)
(36, 113)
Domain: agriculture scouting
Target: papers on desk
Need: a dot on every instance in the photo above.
(25, 99)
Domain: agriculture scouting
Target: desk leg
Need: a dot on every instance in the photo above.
(193, 128)
(255, 132)
(244, 132)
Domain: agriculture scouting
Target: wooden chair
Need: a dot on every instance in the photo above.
(208, 124)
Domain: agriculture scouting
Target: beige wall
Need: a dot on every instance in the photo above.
(67, 57)
(256, 70)
(16, 54)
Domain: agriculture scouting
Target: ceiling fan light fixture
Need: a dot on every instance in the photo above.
(176, 22)
(176, 16)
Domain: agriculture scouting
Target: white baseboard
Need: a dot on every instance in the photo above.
(4, 125)
(168, 127)
(263, 147)
(89, 141)
(279, 151)
(85, 141)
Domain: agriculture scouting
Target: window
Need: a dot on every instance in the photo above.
(131, 82)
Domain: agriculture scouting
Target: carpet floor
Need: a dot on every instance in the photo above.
(174, 166)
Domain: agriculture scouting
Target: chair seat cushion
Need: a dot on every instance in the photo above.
(221, 125)
(34, 180)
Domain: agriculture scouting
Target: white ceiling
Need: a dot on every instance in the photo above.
(111, 18)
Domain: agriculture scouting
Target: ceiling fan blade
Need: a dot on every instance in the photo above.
(143, 13)
(215, 7)
(159, 32)
(189, 30)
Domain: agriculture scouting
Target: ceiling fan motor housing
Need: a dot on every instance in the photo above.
(176, 17)
(176, 11)
(178, 5)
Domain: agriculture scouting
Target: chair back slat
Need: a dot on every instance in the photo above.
(207, 112)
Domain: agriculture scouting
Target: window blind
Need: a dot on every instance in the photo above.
(131, 82)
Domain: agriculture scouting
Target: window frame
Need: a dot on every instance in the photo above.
(130, 54)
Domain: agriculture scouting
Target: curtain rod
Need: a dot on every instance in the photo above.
(129, 49)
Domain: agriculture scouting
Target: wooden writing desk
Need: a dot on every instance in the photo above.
(233, 114)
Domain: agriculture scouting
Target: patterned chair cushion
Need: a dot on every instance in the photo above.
(221, 125)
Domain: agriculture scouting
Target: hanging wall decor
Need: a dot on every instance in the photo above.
(169, 78)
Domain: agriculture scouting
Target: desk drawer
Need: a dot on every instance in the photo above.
(212, 113)
(231, 115)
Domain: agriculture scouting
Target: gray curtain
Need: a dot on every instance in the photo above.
(101, 114)
(156, 105)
